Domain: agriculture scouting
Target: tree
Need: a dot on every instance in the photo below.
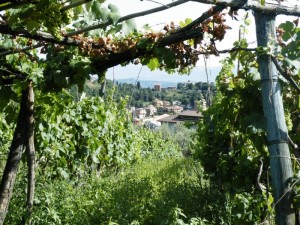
(138, 85)
(180, 86)
(36, 27)
(198, 85)
(190, 86)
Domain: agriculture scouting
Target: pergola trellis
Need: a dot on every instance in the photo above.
(277, 134)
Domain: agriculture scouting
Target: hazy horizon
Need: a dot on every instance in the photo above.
(135, 71)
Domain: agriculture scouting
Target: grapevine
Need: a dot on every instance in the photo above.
(180, 56)
(44, 14)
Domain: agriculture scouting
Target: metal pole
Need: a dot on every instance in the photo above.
(277, 135)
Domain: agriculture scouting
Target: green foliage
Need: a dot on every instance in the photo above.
(95, 12)
(232, 134)
(49, 15)
(155, 191)
(165, 57)
(153, 64)
(176, 58)
(288, 54)
(74, 138)
(77, 137)
(232, 140)
(295, 185)
(80, 140)
(73, 69)
(166, 60)
(8, 116)
(142, 96)
(19, 67)
(46, 13)
(180, 135)
(185, 22)
(7, 125)
(128, 27)
(289, 42)
(154, 144)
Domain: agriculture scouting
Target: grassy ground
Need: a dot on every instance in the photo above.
(154, 191)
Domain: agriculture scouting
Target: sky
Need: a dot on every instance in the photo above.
(176, 14)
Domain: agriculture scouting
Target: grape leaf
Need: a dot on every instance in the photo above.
(114, 14)
(287, 26)
(96, 9)
(153, 64)
(32, 26)
(128, 26)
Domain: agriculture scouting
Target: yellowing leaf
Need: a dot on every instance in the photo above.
(153, 64)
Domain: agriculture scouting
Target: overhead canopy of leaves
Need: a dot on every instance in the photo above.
(79, 38)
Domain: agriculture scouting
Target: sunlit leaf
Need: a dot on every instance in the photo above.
(96, 8)
(287, 26)
(128, 26)
(153, 64)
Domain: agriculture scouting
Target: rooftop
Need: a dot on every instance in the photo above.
(190, 115)
(193, 113)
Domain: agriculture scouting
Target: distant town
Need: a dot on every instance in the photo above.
(152, 107)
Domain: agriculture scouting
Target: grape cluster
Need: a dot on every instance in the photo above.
(45, 14)
(53, 19)
(66, 16)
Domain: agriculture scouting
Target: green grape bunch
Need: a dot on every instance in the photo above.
(66, 16)
(53, 18)
(46, 14)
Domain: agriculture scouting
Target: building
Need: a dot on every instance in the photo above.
(152, 124)
(157, 87)
(191, 116)
(168, 109)
(169, 120)
(176, 103)
(157, 103)
(150, 110)
(177, 109)
(136, 121)
(166, 104)
(173, 109)
(140, 113)
(132, 109)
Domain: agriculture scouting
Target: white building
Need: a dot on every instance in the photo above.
(140, 113)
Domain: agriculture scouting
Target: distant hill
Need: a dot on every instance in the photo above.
(148, 83)
(132, 71)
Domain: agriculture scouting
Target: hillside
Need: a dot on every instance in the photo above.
(148, 83)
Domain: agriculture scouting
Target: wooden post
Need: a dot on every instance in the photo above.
(30, 150)
(13, 160)
(280, 161)
(23, 137)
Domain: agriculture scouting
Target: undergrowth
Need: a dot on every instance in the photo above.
(155, 191)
